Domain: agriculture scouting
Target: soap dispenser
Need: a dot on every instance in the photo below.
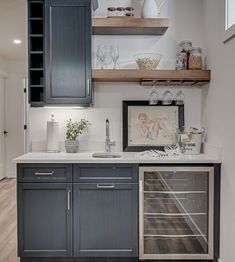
(53, 140)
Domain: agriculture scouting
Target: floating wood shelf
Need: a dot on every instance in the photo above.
(158, 77)
(130, 26)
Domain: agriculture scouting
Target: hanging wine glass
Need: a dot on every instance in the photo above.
(167, 96)
(179, 98)
(154, 96)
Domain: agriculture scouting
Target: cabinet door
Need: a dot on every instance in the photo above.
(68, 52)
(105, 221)
(44, 220)
(176, 213)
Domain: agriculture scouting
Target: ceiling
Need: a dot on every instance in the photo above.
(13, 24)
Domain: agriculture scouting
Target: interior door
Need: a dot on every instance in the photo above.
(2, 126)
(14, 124)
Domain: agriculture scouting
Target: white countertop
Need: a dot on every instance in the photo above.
(127, 158)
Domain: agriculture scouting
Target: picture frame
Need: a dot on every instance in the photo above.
(147, 127)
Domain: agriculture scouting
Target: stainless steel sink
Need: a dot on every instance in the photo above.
(106, 155)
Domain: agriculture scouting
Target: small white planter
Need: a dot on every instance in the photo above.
(71, 146)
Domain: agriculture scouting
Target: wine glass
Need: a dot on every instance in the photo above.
(115, 55)
(167, 96)
(179, 97)
(154, 96)
(101, 55)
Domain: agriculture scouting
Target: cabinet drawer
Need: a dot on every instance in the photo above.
(58, 173)
(106, 173)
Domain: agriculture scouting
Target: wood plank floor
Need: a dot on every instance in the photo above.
(8, 232)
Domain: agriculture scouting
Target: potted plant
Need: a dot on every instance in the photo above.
(74, 129)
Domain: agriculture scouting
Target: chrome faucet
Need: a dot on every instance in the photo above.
(108, 142)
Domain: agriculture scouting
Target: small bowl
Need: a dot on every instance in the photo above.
(148, 61)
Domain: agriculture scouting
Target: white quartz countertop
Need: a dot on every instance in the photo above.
(127, 158)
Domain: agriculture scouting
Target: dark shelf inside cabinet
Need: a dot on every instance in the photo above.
(36, 78)
(36, 27)
(36, 61)
(36, 9)
(36, 94)
(36, 44)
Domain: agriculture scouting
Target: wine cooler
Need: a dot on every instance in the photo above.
(176, 213)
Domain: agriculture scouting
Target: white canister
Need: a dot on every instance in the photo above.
(192, 143)
(149, 9)
(53, 140)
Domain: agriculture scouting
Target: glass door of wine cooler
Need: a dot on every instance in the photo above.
(176, 212)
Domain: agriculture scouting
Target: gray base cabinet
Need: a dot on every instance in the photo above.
(105, 221)
(44, 220)
(61, 215)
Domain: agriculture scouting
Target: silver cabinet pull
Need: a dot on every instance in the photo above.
(88, 87)
(105, 186)
(69, 199)
(44, 174)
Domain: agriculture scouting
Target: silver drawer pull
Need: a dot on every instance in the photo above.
(105, 186)
(44, 174)
(88, 87)
(69, 200)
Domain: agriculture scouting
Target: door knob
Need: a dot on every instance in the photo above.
(5, 132)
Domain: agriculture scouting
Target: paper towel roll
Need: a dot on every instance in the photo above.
(53, 140)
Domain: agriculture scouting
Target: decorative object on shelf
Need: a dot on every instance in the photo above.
(74, 129)
(115, 55)
(121, 11)
(148, 127)
(195, 59)
(191, 141)
(53, 138)
(106, 55)
(95, 4)
(130, 11)
(181, 61)
(111, 12)
(101, 55)
(183, 52)
(148, 61)
(150, 9)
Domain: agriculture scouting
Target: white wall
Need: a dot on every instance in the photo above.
(14, 113)
(218, 114)
(185, 23)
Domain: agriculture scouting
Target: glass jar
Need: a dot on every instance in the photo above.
(130, 11)
(121, 11)
(111, 11)
(181, 61)
(195, 59)
(185, 47)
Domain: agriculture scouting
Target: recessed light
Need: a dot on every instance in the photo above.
(17, 41)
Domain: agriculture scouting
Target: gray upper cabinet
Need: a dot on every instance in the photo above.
(44, 220)
(60, 57)
(68, 52)
(106, 220)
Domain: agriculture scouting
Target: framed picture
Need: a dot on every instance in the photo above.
(150, 126)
